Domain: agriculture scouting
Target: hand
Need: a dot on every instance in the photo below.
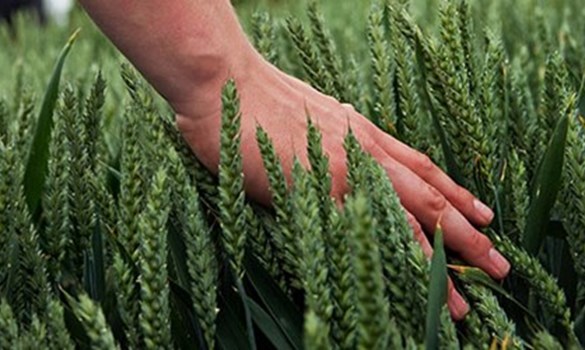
(279, 104)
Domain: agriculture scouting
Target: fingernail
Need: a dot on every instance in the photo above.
(486, 213)
(501, 264)
(460, 306)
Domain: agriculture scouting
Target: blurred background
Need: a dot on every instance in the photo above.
(32, 32)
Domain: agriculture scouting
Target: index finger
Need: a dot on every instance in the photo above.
(465, 202)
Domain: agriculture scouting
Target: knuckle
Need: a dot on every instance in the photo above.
(436, 202)
(348, 107)
(423, 164)
(463, 196)
(478, 244)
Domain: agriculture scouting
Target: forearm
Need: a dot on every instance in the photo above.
(177, 45)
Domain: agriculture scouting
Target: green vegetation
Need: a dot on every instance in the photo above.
(129, 242)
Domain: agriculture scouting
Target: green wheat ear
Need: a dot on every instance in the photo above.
(475, 330)
(394, 237)
(316, 331)
(283, 235)
(342, 281)
(127, 297)
(80, 189)
(93, 321)
(408, 106)
(521, 107)
(25, 284)
(34, 336)
(487, 305)
(519, 198)
(25, 123)
(8, 327)
(261, 243)
(329, 56)
(58, 232)
(320, 175)
(205, 182)
(371, 302)
(201, 255)
(574, 193)
(355, 159)
(310, 57)
(555, 90)
(154, 288)
(264, 36)
(57, 334)
(132, 182)
(544, 340)
(313, 264)
(384, 109)
(231, 181)
(92, 119)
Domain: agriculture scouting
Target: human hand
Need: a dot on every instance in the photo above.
(279, 104)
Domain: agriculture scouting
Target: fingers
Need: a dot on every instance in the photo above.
(458, 307)
(473, 209)
(429, 205)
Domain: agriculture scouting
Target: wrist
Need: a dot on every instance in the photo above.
(186, 51)
(208, 67)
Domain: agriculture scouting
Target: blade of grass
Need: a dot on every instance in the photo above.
(268, 326)
(38, 157)
(177, 249)
(231, 331)
(287, 316)
(580, 326)
(545, 189)
(437, 292)
(247, 312)
(94, 275)
(189, 327)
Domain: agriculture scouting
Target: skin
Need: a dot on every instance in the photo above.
(188, 50)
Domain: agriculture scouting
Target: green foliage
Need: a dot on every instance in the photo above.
(231, 181)
(92, 318)
(371, 306)
(383, 99)
(154, 288)
(189, 261)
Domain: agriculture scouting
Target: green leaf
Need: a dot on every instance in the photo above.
(231, 332)
(186, 330)
(177, 249)
(437, 292)
(94, 275)
(36, 166)
(247, 314)
(268, 326)
(545, 189)
(580, 326)
(560, 263)
(286, 314)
